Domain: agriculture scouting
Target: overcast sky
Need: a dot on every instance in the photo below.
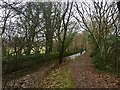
(60, 0)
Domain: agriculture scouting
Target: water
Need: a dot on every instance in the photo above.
(72, 57)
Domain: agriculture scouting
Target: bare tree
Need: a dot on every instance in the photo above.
(65, 28)
(99, 19)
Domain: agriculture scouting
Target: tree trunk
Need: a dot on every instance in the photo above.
(19, 51)
(29, 47)
(62, 46)
(49, 42)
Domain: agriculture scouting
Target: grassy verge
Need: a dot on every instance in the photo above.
(26, 64)
(58, 78)
(106, 68)
(23, 72)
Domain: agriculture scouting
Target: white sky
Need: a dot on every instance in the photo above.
(59, 0)
(89, 1)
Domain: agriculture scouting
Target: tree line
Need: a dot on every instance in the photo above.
(27, 26)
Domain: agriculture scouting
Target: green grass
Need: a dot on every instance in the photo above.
(58, 78)
(24, 72)
(11, 50)
(24, 65)
(23, 62)
(106, 68)
(29, 64)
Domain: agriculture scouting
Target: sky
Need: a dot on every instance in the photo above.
(89, 1)
(60, 0)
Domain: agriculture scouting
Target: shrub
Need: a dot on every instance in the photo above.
(28, 61)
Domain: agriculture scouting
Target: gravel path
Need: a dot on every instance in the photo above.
(85, 75)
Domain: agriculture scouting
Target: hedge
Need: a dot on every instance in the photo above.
(32, 60)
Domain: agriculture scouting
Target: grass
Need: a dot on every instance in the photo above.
(29, 64)
(11, 50)
(25, 71)
(106, 68)
(23, 62)
(58, 78)
(109, 70)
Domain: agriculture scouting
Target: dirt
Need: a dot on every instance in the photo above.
(84, 75)
(29, 81)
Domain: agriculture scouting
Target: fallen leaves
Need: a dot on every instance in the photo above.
(59, 78)
(86, 76)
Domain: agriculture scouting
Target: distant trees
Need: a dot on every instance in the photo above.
(34, 26)
(29, 26)
(7, 26)
(5, 16)
(52, 22)
(37, 27)
(101, 23)
(29, 23)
